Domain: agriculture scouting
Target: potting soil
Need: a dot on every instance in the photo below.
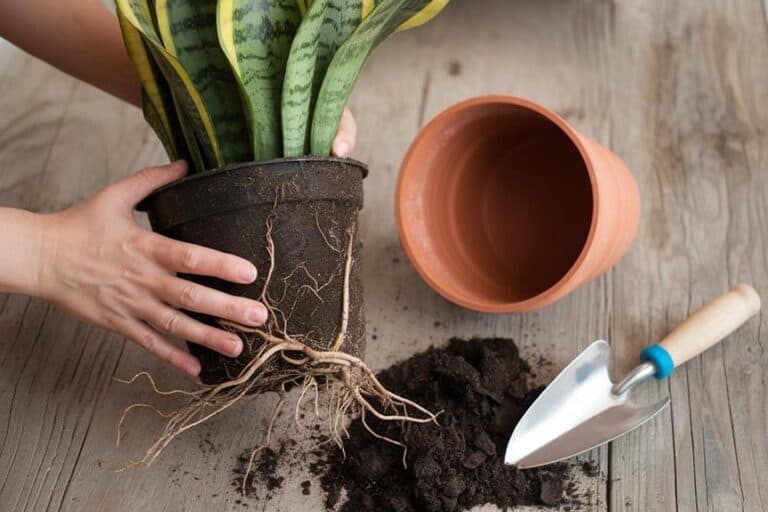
(482, 387)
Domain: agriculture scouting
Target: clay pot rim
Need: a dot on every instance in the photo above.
(143, 204)
(542, 299)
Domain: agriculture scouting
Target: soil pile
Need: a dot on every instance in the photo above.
(483, 390)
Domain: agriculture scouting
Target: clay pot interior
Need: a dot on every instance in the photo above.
(507, 204)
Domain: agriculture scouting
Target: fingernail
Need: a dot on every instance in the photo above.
(257, 315)
(248, 274)
(342, 148)
(234, 346)
(194, 369)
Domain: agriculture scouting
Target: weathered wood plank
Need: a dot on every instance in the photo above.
(59, 142)
(676, 88)
(693, 76)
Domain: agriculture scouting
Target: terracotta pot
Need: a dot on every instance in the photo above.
(504, 207)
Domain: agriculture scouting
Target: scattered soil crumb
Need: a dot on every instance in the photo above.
(437, 323)
(454, 68)
(482, 387)
(264, 472)
(590, 468)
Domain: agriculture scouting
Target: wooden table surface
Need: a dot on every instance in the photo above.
(677, 88)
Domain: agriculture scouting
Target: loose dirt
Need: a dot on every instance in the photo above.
(483, 388)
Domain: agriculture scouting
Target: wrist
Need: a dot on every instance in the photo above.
(25, 243)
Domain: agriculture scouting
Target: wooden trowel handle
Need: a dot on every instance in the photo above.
(707, 326)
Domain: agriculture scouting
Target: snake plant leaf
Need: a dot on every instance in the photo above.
(420, 18)
(138, 14)
(346, 65)
(188, 31)
(256, 37)
(367, 6)
(423, 16)
(303, 6)
(327, 24)
(156, 96)
(194, 154)
(299, 79)
(154, 119)
(152, 15)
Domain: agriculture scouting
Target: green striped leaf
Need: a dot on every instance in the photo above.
(346, 65)
(432, 9)
(188, 32)
(303, 6)
(194, 154)
(300, 72)
(155, 120)
(256, 37)
(152, 15)
(138, 14)
(156, 96)
(327, 24)
(423, 16)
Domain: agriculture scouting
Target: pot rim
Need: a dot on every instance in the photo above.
(143, 204)
(558, 289)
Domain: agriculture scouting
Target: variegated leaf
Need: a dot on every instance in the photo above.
(256, 36)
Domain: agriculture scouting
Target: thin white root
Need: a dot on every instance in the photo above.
(155, 388)
(137, 406)
(339, 341)
(282, 360)
(267, 440)
(325, 238)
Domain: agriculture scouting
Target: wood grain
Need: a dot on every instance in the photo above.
(677, 89)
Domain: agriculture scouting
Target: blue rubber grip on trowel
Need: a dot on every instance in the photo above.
(660, 358)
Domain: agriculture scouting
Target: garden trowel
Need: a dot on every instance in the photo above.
(582, 408)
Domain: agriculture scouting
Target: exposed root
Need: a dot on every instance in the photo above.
(339, 341)
(267, 440)
(281, 360)
(154, 385)
(309, 383)
(137, 406)
(325, 238)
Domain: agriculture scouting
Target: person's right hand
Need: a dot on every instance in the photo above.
(100, 265)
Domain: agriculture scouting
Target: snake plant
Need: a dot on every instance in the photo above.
(239, 80)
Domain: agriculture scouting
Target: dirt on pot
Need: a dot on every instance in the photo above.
(296, 219)
(483, 388)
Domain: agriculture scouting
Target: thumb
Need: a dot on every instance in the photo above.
(346, 136)
(136, 187)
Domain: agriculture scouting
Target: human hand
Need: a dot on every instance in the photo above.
(100, 265)
(346, 136)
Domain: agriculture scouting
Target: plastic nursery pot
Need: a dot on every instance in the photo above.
(504, 207)
(312, 206)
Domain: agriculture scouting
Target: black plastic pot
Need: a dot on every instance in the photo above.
(314, 204)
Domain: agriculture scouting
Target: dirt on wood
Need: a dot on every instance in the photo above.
(483, 388)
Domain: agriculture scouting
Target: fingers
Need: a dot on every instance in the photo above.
(156, 344)
(176, 323)
(129, 191)
(193, 259)
(346, 137)
(180, 293)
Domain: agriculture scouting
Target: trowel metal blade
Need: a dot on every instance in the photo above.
(575, 413)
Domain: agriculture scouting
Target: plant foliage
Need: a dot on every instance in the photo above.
(227, 81)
